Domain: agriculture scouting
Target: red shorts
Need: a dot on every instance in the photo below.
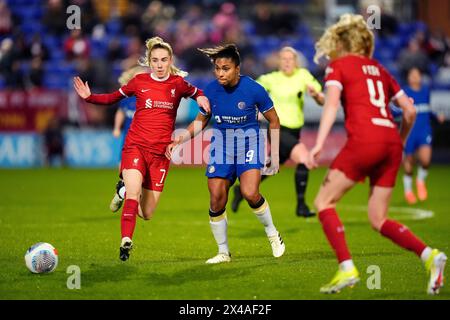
(378, 161)
(153, 167)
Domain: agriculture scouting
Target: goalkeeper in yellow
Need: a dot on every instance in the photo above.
(287, 88)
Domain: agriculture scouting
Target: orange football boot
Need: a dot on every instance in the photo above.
(422, 192)
(410, 197)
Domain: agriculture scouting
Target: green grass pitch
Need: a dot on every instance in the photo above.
(69, 209)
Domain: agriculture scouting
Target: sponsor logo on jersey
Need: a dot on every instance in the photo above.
(145, 90)
(163, 104)
(423, 108)
(149, 104)
(135, 161)
(231, 119)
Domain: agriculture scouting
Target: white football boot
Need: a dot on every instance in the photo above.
(435, 266)
(277, 245)
(117, 200)
(220, 258)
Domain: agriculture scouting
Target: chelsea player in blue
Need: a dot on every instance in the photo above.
(124, 116)
(420, 139)
(237, 146)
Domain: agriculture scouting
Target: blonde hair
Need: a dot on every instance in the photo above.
(352, 33)
(129, 74)
(158, 43)
(294, 52)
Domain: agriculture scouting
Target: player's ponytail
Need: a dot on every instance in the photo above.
(229, 51)
(129, 74)
(155, 43)
(350, 34)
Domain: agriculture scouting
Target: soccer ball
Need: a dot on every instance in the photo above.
(41, 258)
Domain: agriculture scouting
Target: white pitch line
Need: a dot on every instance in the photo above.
(402, 213)
(405, 212)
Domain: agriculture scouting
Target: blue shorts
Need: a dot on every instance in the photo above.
(229, 171)
(417, 139)
(232, 160)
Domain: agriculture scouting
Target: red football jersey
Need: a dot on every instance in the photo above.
(157, 101)
(367, 89)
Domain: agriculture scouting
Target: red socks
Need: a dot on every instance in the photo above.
(402, 236)
(128, 219)
(334, 230)
(398, 233)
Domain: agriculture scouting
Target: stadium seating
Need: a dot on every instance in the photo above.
(30, 13)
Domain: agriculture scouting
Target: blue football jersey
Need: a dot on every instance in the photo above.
(237, 144)
(237, 107)
(421, 133)
(128, 106)
(422, 104)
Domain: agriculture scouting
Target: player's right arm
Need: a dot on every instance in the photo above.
(196, 126)
(84, 92)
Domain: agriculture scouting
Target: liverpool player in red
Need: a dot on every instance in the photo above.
(144, 166)
(374, 147)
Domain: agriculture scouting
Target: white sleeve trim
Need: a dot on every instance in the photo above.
(398, 95)
(202, 112)
(121, 91)
(334, 83)
(268, 109)
(193, 93)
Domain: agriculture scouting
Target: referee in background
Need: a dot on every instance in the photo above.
(287, 88)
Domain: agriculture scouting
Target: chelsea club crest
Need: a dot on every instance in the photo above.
(241, 105)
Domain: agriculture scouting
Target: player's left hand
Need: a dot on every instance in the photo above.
(311, 91)
(313, 158)
(169, 150)
(171, 147)
(441, 118)
(203, 103)
(116, 133)
(271, 168)
(81, 88)
(318, 96)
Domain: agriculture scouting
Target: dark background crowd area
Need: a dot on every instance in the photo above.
(38, 50)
